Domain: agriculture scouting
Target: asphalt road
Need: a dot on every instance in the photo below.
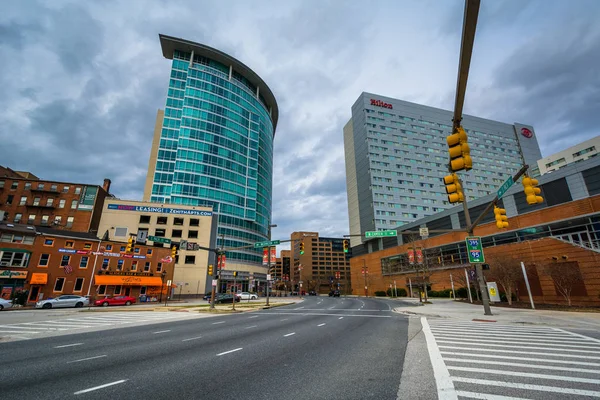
(323, 348)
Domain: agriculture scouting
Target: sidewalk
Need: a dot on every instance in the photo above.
(445, 308)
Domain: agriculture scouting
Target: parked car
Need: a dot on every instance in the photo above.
(115, 301)
(5, 304)
(334, 293)
(225, 298)
(66, 300)
(207, 296)
(247, 296)
(312, 293)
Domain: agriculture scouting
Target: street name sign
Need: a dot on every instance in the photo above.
(505, 186)
(266, 244)
(475, 249)
(381, 233)
(159, 239)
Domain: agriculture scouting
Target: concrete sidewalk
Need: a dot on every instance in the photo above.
(445, 308)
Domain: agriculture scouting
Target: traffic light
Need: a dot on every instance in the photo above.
(458, 148)
(301, 248)
(130, 243)
(235, 274)
(532, 191)
(173, 252)
(501, 218)
(346, 244)
(454, 189)
(210, 270)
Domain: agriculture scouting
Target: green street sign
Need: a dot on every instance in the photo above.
(475, 250)
(266, 244)
(157, 239)
(381, 233)
(505, 186)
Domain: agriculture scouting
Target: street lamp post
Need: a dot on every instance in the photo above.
(269, 260)
(163, 276)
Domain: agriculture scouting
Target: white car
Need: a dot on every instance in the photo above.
(5, 304)
(66, 300)
(246, 296)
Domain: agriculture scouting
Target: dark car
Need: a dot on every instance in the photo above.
(312, 293)
(207, 296)
(335, 293)
(225, 298)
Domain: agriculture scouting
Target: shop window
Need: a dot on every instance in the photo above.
(192, 234)
(147, 266)
(69, 244)
(190, 259)
(78, 285)
(143, 290)
(65, 261)
(13, 259)
(144, 219)
(161, 220)
(194, 222)
(44, 259)
(102, 289)
(83, 262)
(178, 221)
(58, 285)
(117, 289)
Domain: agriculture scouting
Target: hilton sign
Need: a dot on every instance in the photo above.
(380, 103)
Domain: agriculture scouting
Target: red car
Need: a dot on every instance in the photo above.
(115, 301)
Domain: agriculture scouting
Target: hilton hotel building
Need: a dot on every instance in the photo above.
(396, 157)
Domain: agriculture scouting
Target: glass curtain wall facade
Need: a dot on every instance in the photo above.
(216, 147)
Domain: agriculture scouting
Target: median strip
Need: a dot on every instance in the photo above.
(100, 387)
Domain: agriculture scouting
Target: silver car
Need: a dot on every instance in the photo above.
(66, 300)
(5, 304)
(246, 296)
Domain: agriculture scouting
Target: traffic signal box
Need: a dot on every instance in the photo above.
(130, 245)
(173, 252)
(346, 246)
(301, 248)
(454, 189)
(501, 218)
(532, 191)
(210, 270)
(458, 148)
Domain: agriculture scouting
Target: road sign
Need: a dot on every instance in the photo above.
(268, 277)
(214, 282)
(381, 233)
(475, 249)
(169, 282)
(159, 239)
(266, 244)
(424, 232)
(505, 186)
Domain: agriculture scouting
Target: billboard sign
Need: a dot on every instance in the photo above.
(87, 198)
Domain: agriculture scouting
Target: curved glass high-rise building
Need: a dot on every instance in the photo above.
(213, 145)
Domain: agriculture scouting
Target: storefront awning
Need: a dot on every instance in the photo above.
(38, 278)
(127, 280)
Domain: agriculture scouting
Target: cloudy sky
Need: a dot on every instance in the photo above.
(82, 80)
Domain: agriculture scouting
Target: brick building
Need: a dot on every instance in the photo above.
(50, 262)
(26, 199)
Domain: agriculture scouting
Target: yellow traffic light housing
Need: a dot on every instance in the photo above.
(501, 218)
(210, 270)
(532, 191)
(301, 248)
(346, 246)
(173, 252)
(129, 247)
(454, 189)
(459, 151)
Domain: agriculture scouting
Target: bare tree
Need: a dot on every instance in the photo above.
(430, 259)
(565, 276)
(505, 271)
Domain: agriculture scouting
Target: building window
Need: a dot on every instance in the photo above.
(161, 220)
(58, 285)
(105, 264)
(87, 246)
(144, 219)
(36, 201)
(159, 232)
(147, 266)
(45, 219)
(73, 204)
(176, 233)
(78, 285)
(69, 244)
(49, 202)
(136, 250)
(159, 267)
(190, 259)
(77, 190)
(118, 289)
(31, 219)
(44, 259)
(121, 232)
(70, 221)
(57, 220)
(194, 222)
(54, 188)
(27, 185)
(13, 259)
(61, 203)
(65, 261)
(23, 200)
(49, 242)
(120, 265)
(83, 262)
(2, 184)
(65, 189)
(192, 234)
(122, 249)
(108, 247)
(14, 185)
(149, 252)
(178, 221)
(101, 289)
(18, 217)
(134, 265)
(9, 199)
(40, 186)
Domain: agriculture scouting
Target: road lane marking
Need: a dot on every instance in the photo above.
(578, 335)
(526, 386)
(329, 315)
(494, 356)
(85, 359)
(299, 308)
(254, 316)
(445, 386)
(523, 352)
(101, 386)
(485, 396)
(168, 330)
(341, 318)
(521, 365)
(461, 332)
(68, 345)
(482, 346)
(18, 332)
(192, 338)
(526, 375)
(289, 334)
(320, 324)
(331, 308)
(220, 322)
(591, 346)
(251, 326)
(230, 351)
(285, 319)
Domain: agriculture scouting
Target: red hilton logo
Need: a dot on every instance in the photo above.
(380, 103)
(527, 133)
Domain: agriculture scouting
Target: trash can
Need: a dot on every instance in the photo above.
(143, 298)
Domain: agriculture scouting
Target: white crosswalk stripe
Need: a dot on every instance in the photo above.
(100, 321)
(495, 361)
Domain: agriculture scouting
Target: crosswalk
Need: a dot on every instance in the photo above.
(97, 321)
(483, 360)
